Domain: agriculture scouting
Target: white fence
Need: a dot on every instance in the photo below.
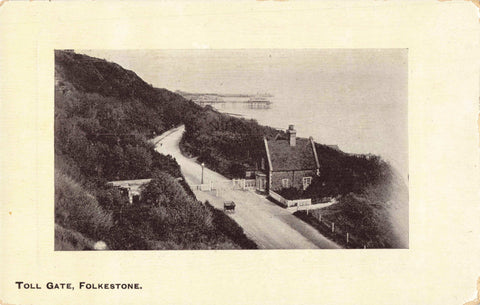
(311, 206)
(250, 184)
(243, 184)
(236, 184)
(296, 203)
(277, 197)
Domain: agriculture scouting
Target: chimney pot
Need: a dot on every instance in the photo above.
(292, 133)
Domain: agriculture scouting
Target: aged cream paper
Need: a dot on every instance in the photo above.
(443, 262)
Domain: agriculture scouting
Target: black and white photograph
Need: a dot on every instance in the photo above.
(212, 149)
(239, 152)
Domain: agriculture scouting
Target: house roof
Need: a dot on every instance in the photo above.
(129, 183)
(282, 156)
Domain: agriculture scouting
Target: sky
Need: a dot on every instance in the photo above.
(354, 98)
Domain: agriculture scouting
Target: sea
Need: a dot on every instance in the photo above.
(356, 99)
(354, 131)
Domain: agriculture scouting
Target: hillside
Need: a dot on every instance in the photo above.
(372, 198)
(104, 115)
(226, 144)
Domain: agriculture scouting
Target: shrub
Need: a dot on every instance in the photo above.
(78, 210)
(163, 190)
(71, 240)
(103, 117)
(230, 228)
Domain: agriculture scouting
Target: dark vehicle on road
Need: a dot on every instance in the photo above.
(229, 206)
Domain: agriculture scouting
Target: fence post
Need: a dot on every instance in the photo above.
(347, 237)
(333, 227)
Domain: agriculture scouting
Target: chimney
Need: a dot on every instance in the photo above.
(291, 133)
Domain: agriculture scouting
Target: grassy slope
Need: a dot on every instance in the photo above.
(103, 116)
(229, 145)
(226, 144)
(373, 200)
(66, 239)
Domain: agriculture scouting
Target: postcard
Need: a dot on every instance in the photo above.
(243, 152)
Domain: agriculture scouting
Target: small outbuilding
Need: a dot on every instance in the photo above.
(132, 189)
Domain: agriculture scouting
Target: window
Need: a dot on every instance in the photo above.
(263, 164)
(306, 182)
(285, 183)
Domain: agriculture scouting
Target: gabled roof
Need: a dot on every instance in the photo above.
(133, 185)
(136, 182)
(282, 156)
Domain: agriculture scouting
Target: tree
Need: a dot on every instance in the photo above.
(163, 190)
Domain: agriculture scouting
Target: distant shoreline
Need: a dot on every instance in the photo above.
(224, 94)
(234, 114)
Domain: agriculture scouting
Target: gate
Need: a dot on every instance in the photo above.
(238, 184)
(234, 184)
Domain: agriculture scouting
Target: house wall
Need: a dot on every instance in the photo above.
(295, 178)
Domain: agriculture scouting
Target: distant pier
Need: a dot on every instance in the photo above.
(258, 101)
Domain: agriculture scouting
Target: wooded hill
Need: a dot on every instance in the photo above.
(104, 115)
(372, 197)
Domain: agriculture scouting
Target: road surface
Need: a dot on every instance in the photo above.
(268, 225)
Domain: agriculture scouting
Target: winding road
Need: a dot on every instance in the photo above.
(268, 225)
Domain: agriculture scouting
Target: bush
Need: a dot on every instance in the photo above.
(226, 144)
(174, 209)
(230, 228)
(103, 117)
(71, 240)
(237, 170)
(164, 190)
(367, 222)
(78, 210)
(292, 193)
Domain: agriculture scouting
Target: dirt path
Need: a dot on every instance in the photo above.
(269, 225)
